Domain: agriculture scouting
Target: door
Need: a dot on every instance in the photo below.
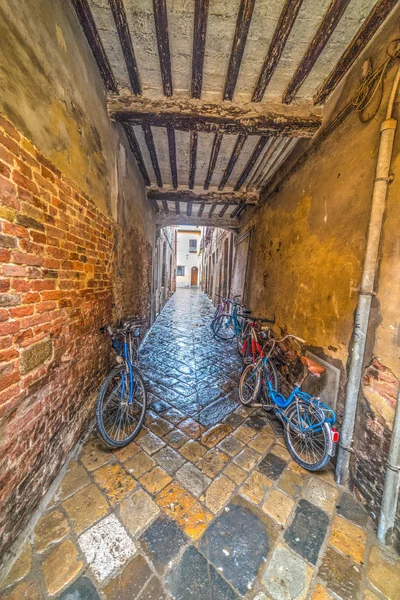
(194, 276)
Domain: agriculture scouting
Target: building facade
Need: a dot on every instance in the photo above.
(188, 241)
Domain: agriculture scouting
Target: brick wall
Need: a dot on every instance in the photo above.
(57, 255)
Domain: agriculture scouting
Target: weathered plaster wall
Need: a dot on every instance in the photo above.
(307, 255)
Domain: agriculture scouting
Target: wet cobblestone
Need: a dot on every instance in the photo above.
(206, 504)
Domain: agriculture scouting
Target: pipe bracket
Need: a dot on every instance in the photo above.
(393, 468)
(386, 179)
(366, 293)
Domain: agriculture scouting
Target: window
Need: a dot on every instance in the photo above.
(180, 271)
(192, 245)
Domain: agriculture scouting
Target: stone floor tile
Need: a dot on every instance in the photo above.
(384, 574)
(192, 451)
(195, 579)
(74, 479)
(287, 576)
(126, 452)
(152, 591)
(192, 479)
(213, 462)
(278, 506)
(138, 511)
(176, 438)
(321, 593)
(213, 414)
(352, 510)
(94, 455)
(139, 464)
(218, 493)
(151, 443)
(61, 566)
(262, 442)
(50, 528)
(231, 445)
(320, 494)
(27, 590)
(281, 451)
(271, 466)
(174, 416)
(234, 420)
(238, 542)
(247, 459)
(184, 509)
(81, 589)
(349, 539)
(160, 426)
(191, 428)
(85, 507)
(130, 581)
(114, 482)
(169, 459)
(215, 435)
(235, 473)
(163, 541)
(244, 433)
(291, 482)
(106, 547)
(20, 567)
(307, 532)
(155, 480)
(340, 575)
(256, 486)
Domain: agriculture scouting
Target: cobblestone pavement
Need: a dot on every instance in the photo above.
(205, 505)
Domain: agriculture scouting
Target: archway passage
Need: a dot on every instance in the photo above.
(194, 277)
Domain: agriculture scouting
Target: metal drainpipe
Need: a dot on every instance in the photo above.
(366, 292)
(392, 483)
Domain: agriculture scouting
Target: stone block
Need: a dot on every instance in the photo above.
(61, 566)
(35, 355)
(138, 511)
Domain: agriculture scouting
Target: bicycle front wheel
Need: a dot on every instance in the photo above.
(119, 422)
(270, 374)
(249, 385)
(224, 327)
(309, 448)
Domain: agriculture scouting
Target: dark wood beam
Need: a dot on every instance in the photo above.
(88, 25)
(324, 32)
(201, 209)
(241, 211)
(121, 23)
(278, 42)
(133, 143)
(172, 156)
(177, 207)
(153, 154)
(192, 158)
(213, 159)
(170, 195)
(232, 161)
(251, 118)
(251, 162)
(189, 209)
(165, 206)
(235, 212)
(239, 43)
(367, 30)
(213, 207)
(224, 209)
(199, 45)
(161, 23)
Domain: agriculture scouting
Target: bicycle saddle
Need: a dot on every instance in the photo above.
(313, 367)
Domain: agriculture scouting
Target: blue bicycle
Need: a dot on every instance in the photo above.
(308, 423)
(122, 400)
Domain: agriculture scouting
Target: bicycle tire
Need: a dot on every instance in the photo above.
(101, 399)
(221, 332)
(267, 401)
(289, 433)
(247, 373)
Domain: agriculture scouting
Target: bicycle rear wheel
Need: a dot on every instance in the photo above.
(224, 327)
(310, 449)
(270, 372)
(249, 385)
(118, 422)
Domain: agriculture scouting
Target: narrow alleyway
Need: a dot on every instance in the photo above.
(206, 505)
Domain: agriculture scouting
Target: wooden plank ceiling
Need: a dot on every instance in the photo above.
(213, 96)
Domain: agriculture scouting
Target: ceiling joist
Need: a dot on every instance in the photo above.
(121, 23)
(161, 24)
(238, 46)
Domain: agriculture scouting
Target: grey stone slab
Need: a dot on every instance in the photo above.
(216, 412)
(151, 443)
(162, 542)
(195, 579)
(193, 479)
(307, 532)
(271, 466)
(238, 543)
(349, 508)
(286, 575)
(81, 589)
(169, 459)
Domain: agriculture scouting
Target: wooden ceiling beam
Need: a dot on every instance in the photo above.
(88, 25)
(282, 30)
(251, 162)
(239, 42)
(224, 209)
(134, 146)
(249, 118)
(318, 43)
(192, 158)
(213, 159)
(232, 161)
(177, 207)
(171, 195)
(161, 24)
(172, 156)
(153, 154)
(199, 45)
(367, 30)
(189, 208)
(121, 23)
(201, 209)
